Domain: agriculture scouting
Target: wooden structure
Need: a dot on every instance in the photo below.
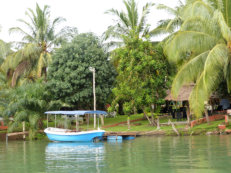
(183, 95)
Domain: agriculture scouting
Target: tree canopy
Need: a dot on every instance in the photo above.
(70, 79)
(40, 36)
(141, 80)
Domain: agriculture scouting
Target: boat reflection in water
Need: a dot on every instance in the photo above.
(74, 157)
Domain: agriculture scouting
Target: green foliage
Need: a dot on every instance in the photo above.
(5, 50)
(142, 72)
(28, 103)
(202, 51)
(39, 39)
(169, 25)
(70, 79)
(127, 21)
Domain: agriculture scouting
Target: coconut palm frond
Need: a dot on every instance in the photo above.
(170, 10)
(143, 20)
(128, 23)
(214, 67)
(198, 97)
(225, 29)
(189, 72)
(186, 44)
(227, 12)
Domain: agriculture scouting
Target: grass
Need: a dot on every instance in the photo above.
(210, 127)
(143, 125)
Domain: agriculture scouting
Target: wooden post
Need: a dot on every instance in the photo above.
(188, 114)
(102, 120)
(226, 119)
(55, 120)
(23, 130)
(128, 122)
(77, 122)
(6, 138)
(206, 111)
(47, 120)
(207, 116)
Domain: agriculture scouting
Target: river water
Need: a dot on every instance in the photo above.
(144, 154)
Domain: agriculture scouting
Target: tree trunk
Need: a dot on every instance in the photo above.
(145, 115)
(158, 123)
(40, 124)
(153, 119)
(174, 128)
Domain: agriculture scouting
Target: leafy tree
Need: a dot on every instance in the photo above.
(203, 47)
(70, 79)
(127, 21)
(142, 72)
(39, 39)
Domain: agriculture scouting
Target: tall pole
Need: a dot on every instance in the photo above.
(92, 69)
(94, 97)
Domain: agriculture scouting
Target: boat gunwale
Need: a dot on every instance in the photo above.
(69, 132)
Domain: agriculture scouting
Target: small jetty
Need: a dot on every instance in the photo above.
(121, 134)
(126, 135)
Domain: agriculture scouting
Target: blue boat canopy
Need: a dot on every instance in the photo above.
(82, 112)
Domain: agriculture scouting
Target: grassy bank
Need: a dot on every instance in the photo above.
(142, 126)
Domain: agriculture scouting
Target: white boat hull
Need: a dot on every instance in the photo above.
(65, 135)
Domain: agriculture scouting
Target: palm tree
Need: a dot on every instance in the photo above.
(5, 50)
(202, 48)
(37, 43)
(128, 23)
(28, 103)
(167, 26)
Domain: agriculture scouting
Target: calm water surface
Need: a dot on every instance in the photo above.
(144, 154)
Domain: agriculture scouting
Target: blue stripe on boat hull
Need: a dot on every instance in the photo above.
(75, 138)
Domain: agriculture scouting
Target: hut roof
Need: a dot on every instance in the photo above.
(183, 95)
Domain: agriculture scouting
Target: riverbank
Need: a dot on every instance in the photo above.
(141, 127)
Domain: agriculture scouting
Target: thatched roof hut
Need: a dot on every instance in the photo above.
(183, 95)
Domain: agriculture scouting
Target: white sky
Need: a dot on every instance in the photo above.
(86, 15)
